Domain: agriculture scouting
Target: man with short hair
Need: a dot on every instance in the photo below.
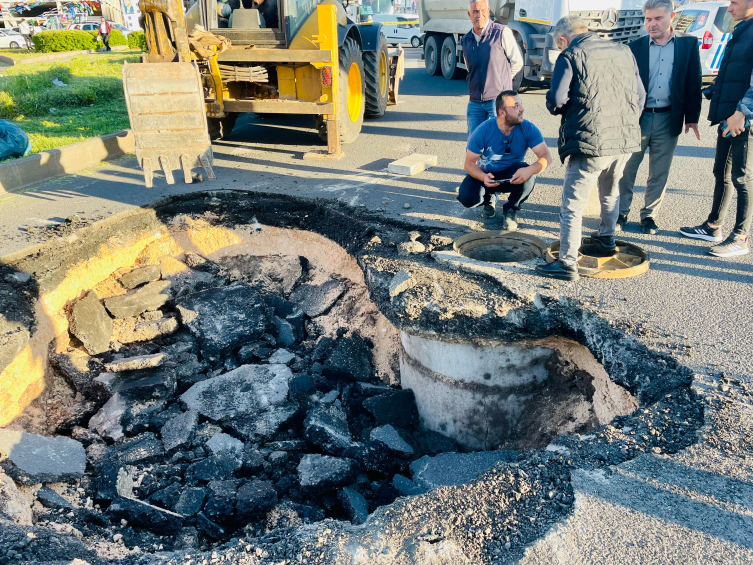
(731, 108)
(493, 60)
(596, 88)
(104, 33)
(494, 160)
(670, 69)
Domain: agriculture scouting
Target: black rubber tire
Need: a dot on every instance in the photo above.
(447, 59)
(14, 45)
(415, 41)
(431, 56)
(525, 84)
(350, 53)
(377, 95)
(220, 128)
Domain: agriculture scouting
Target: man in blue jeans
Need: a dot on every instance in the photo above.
(494, 160)
(493, 60)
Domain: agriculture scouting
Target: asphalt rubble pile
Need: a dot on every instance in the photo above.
(211, 407)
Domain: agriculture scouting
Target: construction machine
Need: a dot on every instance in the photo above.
(202, 69)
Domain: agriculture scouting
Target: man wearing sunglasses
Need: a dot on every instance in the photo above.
(494, 160)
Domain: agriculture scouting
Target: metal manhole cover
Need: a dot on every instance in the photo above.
(500, 246)
(628, 260)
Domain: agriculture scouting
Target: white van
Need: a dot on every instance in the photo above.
(712, 25)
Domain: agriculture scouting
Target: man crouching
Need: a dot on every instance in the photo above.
(494, 160)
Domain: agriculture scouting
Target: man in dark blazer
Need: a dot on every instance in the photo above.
(670, 69)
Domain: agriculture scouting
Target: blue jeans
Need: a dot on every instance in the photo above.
(478, 113)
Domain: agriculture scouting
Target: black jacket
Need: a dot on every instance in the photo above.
(733, 80)
(595, 86)
(686, 83)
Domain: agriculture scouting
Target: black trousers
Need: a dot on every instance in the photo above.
(733, 169)
(471, 189)
(106, 41)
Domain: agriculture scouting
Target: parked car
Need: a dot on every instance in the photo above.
(397, 33)
(11, 40)
(94, 26)
(712, 25)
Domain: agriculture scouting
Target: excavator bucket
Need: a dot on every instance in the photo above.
(168, 118)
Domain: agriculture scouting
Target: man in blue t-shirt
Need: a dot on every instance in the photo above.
(494, 160)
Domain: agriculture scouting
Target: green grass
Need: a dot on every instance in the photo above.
(92, 104)
(18, 54)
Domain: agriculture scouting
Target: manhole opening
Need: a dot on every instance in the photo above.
(257, 387)
(500, 247)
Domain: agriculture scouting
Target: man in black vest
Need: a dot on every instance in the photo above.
(733, 166)
(493, 60)
(598, 91)
(670, 68)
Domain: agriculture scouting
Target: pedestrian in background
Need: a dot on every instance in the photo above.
(25, 30)
(670, 69)
(596, 88)
(494, 63)
(732, 108)
(495, 160)
(104, 33)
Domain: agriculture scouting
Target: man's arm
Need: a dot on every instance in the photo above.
(641, 88)
(736, 122)
(514, 55)
(693, 87)
(471, 167)
(559, 87)
(545, 159)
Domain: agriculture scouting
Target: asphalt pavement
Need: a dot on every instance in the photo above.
(689, 304)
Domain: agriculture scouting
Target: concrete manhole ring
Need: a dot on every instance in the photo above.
(628, 261)
(500, 246)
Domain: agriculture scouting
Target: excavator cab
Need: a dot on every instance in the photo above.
(223, 58)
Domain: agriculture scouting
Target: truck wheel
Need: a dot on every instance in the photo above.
(351, 98)
(377, 70)
(220, 128)
(450, 69)
(525, 84)
(431, 56)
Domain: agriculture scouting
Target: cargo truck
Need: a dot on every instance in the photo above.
(445, 22)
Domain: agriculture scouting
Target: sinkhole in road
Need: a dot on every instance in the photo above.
(229, 379)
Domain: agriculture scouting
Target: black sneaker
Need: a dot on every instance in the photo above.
(605, 243)
(648, 225)
(702, 232)
(558, 270)
(488, 212)
(510, 221)
(733, 246)
(621, 222)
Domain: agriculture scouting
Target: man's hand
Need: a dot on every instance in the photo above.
(521, 175)
(489, 180)
(735, 124)
(693, 127)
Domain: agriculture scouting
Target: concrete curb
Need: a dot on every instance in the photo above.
(43, 58)
(20, 173)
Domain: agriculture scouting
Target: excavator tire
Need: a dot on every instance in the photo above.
(352, 99)
(221, 127)
(376, 67)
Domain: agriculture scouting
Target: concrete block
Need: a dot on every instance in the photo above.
(20, 173)
(412, 164)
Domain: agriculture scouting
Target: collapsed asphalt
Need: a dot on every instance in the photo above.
(693, 506)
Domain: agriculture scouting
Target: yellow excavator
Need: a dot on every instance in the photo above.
(203, 69)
